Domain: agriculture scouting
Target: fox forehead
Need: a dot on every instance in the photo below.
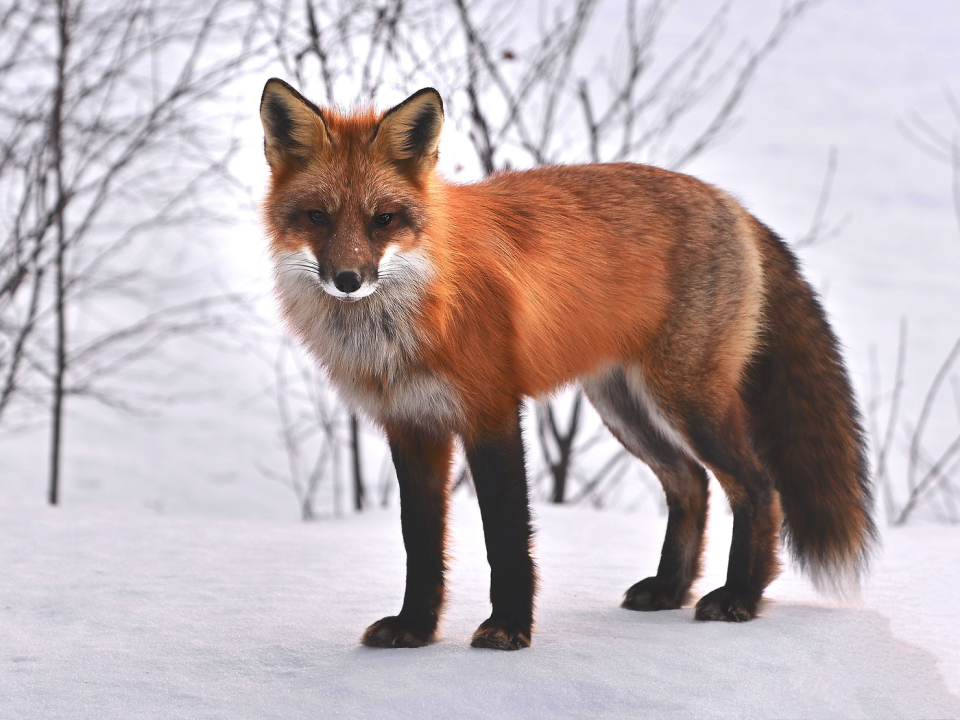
(349, 174)
(350, 152)
(352, 132)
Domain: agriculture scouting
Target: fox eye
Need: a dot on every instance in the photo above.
(383, 219)
(317, 217)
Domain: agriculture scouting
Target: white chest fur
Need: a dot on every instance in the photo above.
(371, 349)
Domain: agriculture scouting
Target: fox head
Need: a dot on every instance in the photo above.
(348, 195)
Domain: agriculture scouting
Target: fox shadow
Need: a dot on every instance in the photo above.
(795, 660)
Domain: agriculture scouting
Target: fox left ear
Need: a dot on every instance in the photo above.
(409, 133)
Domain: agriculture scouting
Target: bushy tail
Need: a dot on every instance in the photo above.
(807, 429)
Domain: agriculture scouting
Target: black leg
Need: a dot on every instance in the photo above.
(753, 562)
(753, 559)
(423, 467)
(684, 482)
(499, 474)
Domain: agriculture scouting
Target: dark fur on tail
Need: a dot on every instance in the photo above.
(807, 429)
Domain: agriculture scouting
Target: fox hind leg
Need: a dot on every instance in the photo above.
(723, 444)
(684, 481)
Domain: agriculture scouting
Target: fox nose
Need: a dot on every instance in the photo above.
(347, 282)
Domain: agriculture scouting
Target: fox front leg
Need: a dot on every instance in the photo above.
(422, 462)
(497, 465)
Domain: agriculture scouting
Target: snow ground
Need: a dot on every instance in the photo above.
(121, 613)
(175, 580)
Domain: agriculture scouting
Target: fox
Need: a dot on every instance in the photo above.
(436, 309)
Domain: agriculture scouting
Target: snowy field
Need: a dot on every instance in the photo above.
(109, 614)
(176, 580)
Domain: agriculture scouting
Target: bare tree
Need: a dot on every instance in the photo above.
(931, 476)
(316, 430)
(310, 427)
(109, 145)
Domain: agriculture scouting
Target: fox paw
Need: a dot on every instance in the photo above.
(501, 634)
(652, 593)
(397, 632)
(727, 604)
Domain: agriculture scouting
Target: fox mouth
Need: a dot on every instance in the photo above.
(365, 290)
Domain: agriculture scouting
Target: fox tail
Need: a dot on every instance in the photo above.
(807, 429)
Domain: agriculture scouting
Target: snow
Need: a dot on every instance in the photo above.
(127, 614)
(176, 580)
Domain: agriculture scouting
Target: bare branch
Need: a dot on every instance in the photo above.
(916, 487)
(789, 14)
(819, 228)
(955, 153)
(883, 449)
(917, 435)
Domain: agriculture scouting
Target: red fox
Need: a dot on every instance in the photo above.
(436, 308)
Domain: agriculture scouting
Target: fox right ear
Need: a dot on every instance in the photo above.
(293, 127)
(409, 133)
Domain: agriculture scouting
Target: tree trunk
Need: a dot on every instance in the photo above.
(60, 343)
(560, 477)
(358, 494)
(560, 466)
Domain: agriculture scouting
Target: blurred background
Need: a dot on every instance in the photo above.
(142, 363)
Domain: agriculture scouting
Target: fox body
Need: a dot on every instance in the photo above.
(437, 308)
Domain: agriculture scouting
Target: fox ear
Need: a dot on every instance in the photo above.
(409, 134)
(293, 127)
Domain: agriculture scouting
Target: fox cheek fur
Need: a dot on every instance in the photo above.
(437, 308)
